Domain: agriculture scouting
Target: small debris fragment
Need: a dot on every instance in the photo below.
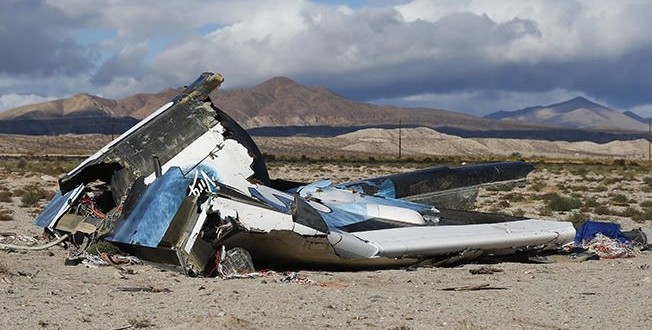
(485, 286)
(485, 270)
(144, 289)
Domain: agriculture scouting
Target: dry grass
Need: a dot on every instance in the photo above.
(5, 196)
(31, 194)
(6, 215)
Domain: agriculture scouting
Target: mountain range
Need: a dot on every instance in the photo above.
(281, 106)
(578, 112)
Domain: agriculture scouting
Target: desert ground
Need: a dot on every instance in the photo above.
(38, 291)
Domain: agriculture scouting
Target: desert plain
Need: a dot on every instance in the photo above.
(570, 183)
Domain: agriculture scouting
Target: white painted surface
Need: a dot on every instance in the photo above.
(395, 213)
(196, 229)
(434, 240)
(253, 218)
(194, 153)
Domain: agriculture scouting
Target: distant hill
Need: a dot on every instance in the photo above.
(278, 102)
(637, 117)
(282, 102)
(283, 107)
(82, 114)
(575, 113)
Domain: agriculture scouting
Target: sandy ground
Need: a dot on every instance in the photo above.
(38, 291)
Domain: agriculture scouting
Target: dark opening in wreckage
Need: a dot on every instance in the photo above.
(187, 185)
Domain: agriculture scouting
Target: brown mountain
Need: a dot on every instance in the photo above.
(574, 113)
(141, 105)
(276, 107)
(283, 102)
(82, 105)
(275, 102)
(82, 114)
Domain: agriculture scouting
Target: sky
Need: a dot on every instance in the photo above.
(463, 55)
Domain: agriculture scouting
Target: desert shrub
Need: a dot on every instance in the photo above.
(545, 211)
(504, 204)
(630, 212)
(620, 162)
(29, 198)
(514, 197)
(579, 170)
(647, 203)
(612, 180)
(602, 210)
(31, 194)
(564, 188)
(537, 186)
(577, 218)
(5, 196)
(575, 194)
(578, 189)
(560, 203)
(6, 215)
(549, 196)
(500, 187)
(600, 188)
(619, 199)
(518, 212)
(648, 181)
(645, 215)
(590, 202)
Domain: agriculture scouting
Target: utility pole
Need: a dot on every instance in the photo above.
(400, 126)
(649, 141)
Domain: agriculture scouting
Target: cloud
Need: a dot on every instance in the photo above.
(9, 101)
(126, 63)
(370, 47)
(37, 41)
(384, 50)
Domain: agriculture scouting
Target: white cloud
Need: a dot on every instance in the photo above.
(570, 29)
(10, 101)
(643, 110)
(450, 49)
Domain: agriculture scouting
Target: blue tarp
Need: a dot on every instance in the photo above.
(587, 231)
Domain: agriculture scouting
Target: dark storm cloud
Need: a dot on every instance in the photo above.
(423, 50)
(126, 63)
(38, 40)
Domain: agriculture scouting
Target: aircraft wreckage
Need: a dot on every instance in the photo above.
(187, 184)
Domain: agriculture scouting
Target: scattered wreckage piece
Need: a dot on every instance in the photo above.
(187, 185)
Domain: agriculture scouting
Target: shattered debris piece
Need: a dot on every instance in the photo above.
(144, 289)
(199, 196)
(117, 259)
(485, 270)
(610, 248)
(607, 240)
(474, 287)
(590, 229)
(236, 261)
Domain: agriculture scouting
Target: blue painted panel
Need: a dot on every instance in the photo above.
(147, 223)
(57, 203)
